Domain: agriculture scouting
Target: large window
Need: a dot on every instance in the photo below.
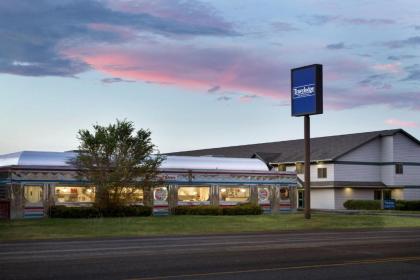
(75, 194)
(191, 194)
(33, 194)
(234, 194)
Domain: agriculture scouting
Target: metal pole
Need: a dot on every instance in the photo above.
(307, 197)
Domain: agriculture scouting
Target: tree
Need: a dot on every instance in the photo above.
(118, 162)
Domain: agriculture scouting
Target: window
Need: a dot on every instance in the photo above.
(281, 167)
(190, 194)
(399, 168)
(387, 194)
(234, 194)
(322, 172)
(299, 168)
(263, 194)
(284, 193)
(74, 194)
(377, 195)
(33, 194)
(160, 194)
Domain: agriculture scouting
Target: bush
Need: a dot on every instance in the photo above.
(362, 204)
(245, 209)
(197, 210)
(74, 212)
(94, 212)
(409, 205)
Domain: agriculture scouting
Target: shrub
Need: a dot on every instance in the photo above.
(74, 212)
(197, 210)
(245, 209)
(410, 205)
(362, 204)
(94, 212)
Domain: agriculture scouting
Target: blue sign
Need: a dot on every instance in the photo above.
(306, 91)
(389, 204)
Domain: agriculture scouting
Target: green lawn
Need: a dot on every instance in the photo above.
(181, 225)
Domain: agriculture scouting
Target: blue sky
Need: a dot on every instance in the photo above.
(203, 73)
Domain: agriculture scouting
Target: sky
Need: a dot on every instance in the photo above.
(201, 74)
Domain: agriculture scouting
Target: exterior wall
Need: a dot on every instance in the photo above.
(387, 149)
(405, 149)
(370, 152)
(341, 195)
(357, 172)
(322, 198)
(412, 193)
(314, 172)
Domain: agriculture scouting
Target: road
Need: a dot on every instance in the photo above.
(355, 254)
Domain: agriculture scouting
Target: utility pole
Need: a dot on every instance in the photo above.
(307, 193)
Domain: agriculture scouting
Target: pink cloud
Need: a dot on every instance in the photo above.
(393, 68)
(399, 123)
(191, 67)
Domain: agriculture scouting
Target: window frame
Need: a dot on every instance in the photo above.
(399, 169)
(198, 202)
(224, 202)
(74, 203)
(321, 172)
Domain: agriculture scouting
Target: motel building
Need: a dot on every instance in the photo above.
(30, 182)
(371, 165)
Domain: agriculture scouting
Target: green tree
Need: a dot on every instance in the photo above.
(118, 162)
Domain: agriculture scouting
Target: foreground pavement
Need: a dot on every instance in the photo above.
(356, 254)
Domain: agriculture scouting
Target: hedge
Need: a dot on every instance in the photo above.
(410, 205)
(362, 204)
(94, 212)
(245, 209)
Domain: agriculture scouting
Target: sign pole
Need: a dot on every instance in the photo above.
(307, 165)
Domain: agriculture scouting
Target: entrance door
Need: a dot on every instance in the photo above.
(34, 201)
(301, 202)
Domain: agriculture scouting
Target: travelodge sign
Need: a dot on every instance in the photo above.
(306, 91)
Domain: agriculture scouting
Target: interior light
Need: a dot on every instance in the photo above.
(223, 190)
(243, 190)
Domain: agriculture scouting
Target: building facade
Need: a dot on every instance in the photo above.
(33, 181)
(372, 165)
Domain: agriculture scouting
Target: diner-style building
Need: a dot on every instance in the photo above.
(31, 181)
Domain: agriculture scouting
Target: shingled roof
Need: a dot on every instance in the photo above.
(322, 148)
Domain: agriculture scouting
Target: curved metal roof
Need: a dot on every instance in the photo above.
(60, 160)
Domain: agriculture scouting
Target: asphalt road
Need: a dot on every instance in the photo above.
(358, 254)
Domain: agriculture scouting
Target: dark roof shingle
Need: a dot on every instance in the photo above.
(322, 148)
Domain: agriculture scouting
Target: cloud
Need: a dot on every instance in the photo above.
(324, 19)
(33, 36)
(409, 42)
(191, 66)
(248, 97)
(213, 89)
(115, 80)
(337, 46)
(378, 81)
(416, 27)
(399, 123)
(413, 73)
(393, 68)
(283, 26)
(401, 57)
(224, 98)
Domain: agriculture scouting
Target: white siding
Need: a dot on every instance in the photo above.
(410, 177)
(405, 149)
(322, 199)
(387, 149)
(357, 173)
(369, 152)
(412, 194)
(341, 195)
(387, 174)
(314, 172)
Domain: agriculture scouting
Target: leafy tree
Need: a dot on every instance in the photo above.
(118, 161)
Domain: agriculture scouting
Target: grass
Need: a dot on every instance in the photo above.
(183, 225)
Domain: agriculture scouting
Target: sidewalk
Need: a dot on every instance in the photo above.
(415, 214)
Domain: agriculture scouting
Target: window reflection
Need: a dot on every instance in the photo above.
(192, 194)
(234, 194)
(68, 194)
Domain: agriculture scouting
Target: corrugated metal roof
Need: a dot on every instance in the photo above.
(61, 159)
(322, 148)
